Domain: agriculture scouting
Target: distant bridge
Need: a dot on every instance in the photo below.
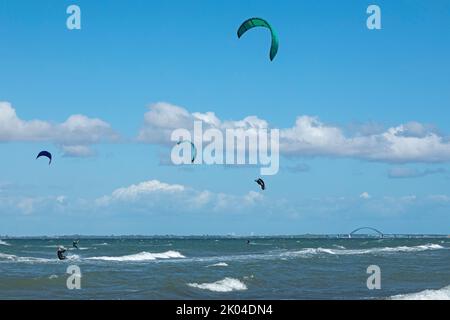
(366, 228)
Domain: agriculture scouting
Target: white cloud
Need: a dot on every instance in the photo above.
(155, 193)
(189, 205)
(73, 135)
(145, 188)
(365, 195)
(79, 129)
(405, 143)
(163, 118)
(252, 197)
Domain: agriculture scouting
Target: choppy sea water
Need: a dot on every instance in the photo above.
(223, 268)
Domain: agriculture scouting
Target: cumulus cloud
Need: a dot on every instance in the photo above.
(136, 191)
(154, 193)
(74, 135)
(163, 118)
(410, 142)
(172, 202)
(404, 143)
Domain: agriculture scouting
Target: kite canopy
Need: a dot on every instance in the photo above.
(258, 22)
(261, 183)
(45, 154)
(193, 149)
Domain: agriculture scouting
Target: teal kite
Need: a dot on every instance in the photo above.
(258, 22)
(193, 149)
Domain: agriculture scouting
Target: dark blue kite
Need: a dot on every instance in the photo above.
(45, 154)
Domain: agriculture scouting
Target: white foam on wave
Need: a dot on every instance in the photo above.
(142, 256)
(4, 243)
(259, 244)
(441, 294)
(14, 258)
(80, 248)
(313, 251)
(220, 264)
(224, 285)
(290, 254)
(72, 257)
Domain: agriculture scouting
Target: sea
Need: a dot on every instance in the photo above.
(294, 267)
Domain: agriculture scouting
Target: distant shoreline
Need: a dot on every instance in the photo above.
(203, 237)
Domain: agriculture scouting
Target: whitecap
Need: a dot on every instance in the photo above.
(440, 294)
(313, 251)
(142, 256)
(72, 257)
(79, 248)
(101, 244)
(14, 258)
(220, 264)
(224, 285)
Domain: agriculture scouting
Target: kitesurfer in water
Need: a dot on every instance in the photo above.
(75, 244)
(60, 253)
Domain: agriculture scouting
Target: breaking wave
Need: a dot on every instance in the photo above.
(222, 260)
(142, 256)
(224, 285)
(312, 251)
(14, 258)
(441, 294)
(220, 264)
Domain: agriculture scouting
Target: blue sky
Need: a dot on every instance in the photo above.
(372, 147)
